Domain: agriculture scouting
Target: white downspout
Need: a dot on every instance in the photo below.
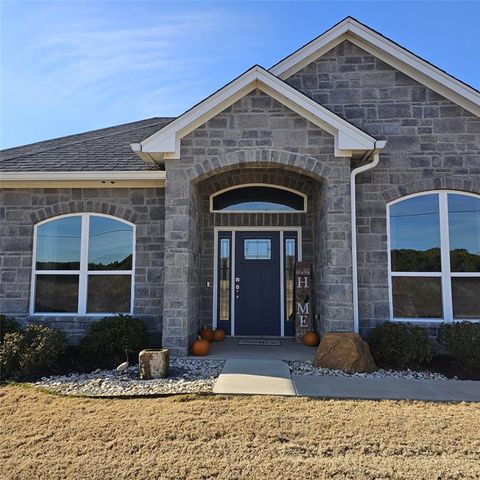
(353, 206)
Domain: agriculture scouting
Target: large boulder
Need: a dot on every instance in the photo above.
(344, 351)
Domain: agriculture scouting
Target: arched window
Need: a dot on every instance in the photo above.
(434, 256)
(83, 264)
(258, 198)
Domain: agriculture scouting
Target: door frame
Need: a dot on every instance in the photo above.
(233, 230)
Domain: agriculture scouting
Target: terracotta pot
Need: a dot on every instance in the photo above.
(200, 347)
(311, 339)
(218, 335)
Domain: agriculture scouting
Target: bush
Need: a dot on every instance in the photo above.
(105, 341)
(462, 341)
(7, 325)
(30, 352)
(400, 345)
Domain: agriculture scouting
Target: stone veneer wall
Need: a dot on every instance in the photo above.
(21, 209)
(255, 132)
(432, 144)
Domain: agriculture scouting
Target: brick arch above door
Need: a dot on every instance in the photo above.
(260, 158)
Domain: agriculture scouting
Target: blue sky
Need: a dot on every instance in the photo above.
(69, 67)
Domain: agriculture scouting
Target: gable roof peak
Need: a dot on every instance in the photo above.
(165, 143)
(386, 50)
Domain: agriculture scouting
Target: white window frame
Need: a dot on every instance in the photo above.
(243, 185)
(445, 274)
(83, 272)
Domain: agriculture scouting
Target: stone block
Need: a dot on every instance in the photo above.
(153, 363)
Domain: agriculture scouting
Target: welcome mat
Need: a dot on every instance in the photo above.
(259, 342)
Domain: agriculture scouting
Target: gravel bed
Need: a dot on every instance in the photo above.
(185, 376)
(306, 368)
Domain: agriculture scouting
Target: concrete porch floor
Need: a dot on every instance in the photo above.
(288, 349)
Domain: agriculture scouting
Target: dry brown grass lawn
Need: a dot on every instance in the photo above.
(48, 437)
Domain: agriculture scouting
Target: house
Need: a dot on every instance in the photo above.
(201, 219)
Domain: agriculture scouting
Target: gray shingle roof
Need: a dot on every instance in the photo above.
(105, 149)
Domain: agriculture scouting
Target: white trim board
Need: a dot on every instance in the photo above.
(97, 179)
(387, 51)
(298, 230)
(165, 144)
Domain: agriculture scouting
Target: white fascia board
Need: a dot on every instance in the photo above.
(87, 175)
(387, 51)
(167, 140)
(311, 51)
(105, 179)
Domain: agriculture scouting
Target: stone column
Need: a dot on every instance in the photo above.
(334, 255)
(182, 255)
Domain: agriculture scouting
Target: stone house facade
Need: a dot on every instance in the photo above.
(351, 133)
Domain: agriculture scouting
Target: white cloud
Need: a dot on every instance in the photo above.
(97, 59)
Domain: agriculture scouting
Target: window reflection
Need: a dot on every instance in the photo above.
(110, 244)
(56, 294)
(224, 287)
(417, 297)
(257, 249)
(258, 198)
(58, 244)
(415, 235)
(464, 229)
(109, 293)
(466, 293)
(289, 278)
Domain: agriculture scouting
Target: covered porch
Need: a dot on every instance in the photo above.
(274, 348)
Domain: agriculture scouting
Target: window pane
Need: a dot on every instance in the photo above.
(110, 244)
(464, 230)
(56, 294)
(466, 294)
(417, 297)
(109, 293)
(58, 244)
(258, 199)
(257, 249)
(415, 235)
(289, 278)
(224, 294)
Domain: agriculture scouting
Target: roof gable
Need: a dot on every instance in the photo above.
(165, 143)
(386, 50)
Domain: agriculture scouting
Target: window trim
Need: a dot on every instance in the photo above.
(445, 274)
(83, 272)
(268, 185)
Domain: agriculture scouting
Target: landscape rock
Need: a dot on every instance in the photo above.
(345, 351)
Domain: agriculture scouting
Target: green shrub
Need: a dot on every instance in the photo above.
(104, 343)
(400, 345)
(7, 325)
(30, 352)
(462, 341)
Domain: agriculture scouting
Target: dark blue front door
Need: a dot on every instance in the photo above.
(257, 283)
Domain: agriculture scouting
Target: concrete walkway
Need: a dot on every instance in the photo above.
(256, 377)
(272, 377)
(387, 388)
(288, 349)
